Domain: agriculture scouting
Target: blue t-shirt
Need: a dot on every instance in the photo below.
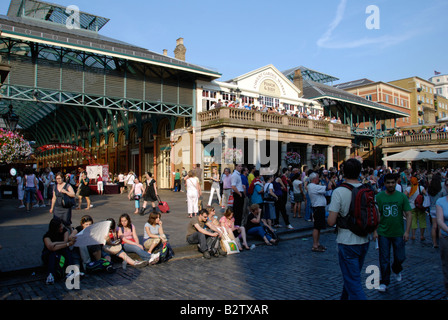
(443, 203)
(257, 197)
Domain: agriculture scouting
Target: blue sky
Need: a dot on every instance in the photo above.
(330, 36)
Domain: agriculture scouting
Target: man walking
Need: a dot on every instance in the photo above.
(352, 249)
(391, 232)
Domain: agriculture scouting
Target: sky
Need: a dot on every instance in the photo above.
(342, 38)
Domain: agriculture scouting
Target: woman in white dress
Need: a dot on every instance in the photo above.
(193, 193)
(215, 187)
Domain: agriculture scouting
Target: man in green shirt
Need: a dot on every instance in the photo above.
(177, 185)
(392, 205)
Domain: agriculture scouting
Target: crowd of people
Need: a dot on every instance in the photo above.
(274, 109)
(253, 205)
(436, 129)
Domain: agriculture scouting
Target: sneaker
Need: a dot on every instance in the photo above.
(289, 226)
(206, 255)
(154, 258)
(398, 276)
(50, 279)
(140, 264)
(91, 206)
(43, 206)
(252, 247)
(382, 288)
(21, 206)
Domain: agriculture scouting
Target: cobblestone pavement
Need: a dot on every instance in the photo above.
(289, 271)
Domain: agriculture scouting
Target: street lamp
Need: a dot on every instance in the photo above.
(11, 119)
(84, 132)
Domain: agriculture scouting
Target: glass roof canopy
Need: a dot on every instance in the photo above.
(54, 13)
(309, 74)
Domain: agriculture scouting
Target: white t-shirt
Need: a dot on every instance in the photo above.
(296, 186)
(340, 202)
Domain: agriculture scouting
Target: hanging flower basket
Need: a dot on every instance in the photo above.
(317, 159)
(292, 158)
(233, 155)
(13, 147)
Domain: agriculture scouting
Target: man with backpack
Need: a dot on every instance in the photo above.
(352, 248)
(391, 232)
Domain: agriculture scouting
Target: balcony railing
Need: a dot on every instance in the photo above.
(256, 119)
(416, 139)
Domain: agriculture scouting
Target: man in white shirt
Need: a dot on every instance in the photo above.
(316, 192)
(238, 194)
(352, 248)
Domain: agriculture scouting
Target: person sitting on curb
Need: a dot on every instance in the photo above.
(208, 242)
(114, 248)
(56, 244)
(153, 232)
(130, 242)
(255, 226)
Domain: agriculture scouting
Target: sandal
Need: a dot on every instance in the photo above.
(317, 249)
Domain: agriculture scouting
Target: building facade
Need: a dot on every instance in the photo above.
(422, 92)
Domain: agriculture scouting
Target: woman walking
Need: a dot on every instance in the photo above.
(150, 194)
(58, 211)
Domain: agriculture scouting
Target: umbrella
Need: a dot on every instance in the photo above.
(441, 156)
(411, 155)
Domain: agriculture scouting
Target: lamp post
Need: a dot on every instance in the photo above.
(11, 119)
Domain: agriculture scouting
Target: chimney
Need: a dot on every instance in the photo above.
(165, 52)
(179, 52)
(298, 81)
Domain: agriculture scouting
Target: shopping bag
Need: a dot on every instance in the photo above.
(228, 245)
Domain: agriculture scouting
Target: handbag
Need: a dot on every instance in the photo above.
(67, 201)
(268, 197)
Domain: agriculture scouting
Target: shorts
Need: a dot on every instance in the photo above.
(319, 218)
(298, 197)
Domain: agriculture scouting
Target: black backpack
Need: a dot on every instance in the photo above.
(363, 215)
(166, 253)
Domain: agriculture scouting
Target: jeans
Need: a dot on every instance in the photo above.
(351, 260)
(258, 231)
(29, 194)
(200, 239)
(137, 202)
(384, 245)
(130, 248)
(212, 191)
